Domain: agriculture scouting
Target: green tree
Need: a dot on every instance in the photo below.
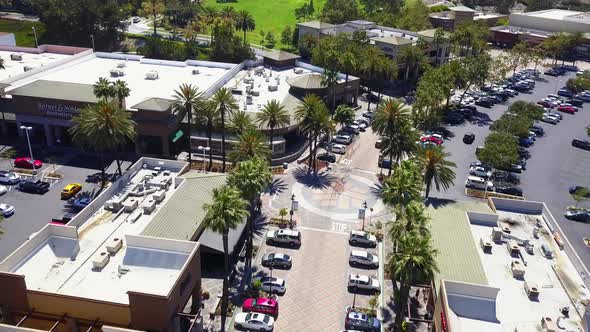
(208, 115)
(339, 11)
(187, 98)
(344, 115)
(580, 195)
(240, 121)
(153, 8)
(269, 40)
(414, 59)
(436, 167)
(402, 187)
(228, 13)
(473, 71)
(122, 91)
(96, 122)
(225, 104)
(470, 39)
(226, 211)
(518, 56)
(347, 63)
(103, 89)
(414, 17)
(251, 144)
(7, 155)
(226, 46)
(535, 5)
(286, 35)
(244, 21)
(500, 150)
(578, 84)
(314, 120)
(329, 80)
(390, 120)
(272, 116)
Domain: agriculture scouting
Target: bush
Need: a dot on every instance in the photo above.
(578, 84)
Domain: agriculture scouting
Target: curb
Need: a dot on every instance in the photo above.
(382, 281)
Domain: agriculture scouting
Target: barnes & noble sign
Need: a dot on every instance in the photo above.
(59, 111)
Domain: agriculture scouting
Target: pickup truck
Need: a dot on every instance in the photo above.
(37, 187)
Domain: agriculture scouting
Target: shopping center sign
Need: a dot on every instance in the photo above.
(59, 111)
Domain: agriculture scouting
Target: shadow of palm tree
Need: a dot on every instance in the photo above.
(319, 180)
(438, 202)
(481, 119)
(377, 190)
(277, 186)
(260, 224)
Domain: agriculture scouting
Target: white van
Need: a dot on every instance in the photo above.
(475, 182)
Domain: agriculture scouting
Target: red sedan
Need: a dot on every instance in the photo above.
(432, 139)
(25, 162)
(261, 305)
(567, 109)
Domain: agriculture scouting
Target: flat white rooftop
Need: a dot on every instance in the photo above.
(557, 14)
(170, 74)
(391, 33)
(62, 259)
(29, 60)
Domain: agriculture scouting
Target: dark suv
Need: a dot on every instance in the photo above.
(37, 187)
(581, 143)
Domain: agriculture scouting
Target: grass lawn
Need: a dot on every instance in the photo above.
(23, 31)
(269, 15)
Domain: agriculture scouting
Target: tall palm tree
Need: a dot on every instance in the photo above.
(314, 120)
(436, 168)
(3, 116)
(414, 260)
(402, 187)
(228, 13)
(207, 112)
(122, 91)
(251, 144)
(225, 212)
(250, 177)
(347, 63)
(245, 22)
(329, 80)
(103, 128)
(186, 99)
(273, 115)
(225, 104)
(323, 125)
(413, 58)
(370, 66)
(103, 89)
(240, 122)
(400, 145)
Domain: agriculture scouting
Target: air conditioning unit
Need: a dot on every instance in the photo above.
(100, 260)
(114, 245)
(496, 234)
(116, 72)
(16, 57)
(272, 87)
(152, 75)
(298, 70)
(517, 269)
(159, 196)
(149, 206)
(531, 289)
(513, 249)
(130, 204)
(486, 244)
(121, 64)
(196, 72)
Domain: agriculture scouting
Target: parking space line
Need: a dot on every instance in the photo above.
(321, 230)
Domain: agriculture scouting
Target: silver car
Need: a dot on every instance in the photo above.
(362, 238)
(9, 178)
(363, 282)
(363, 258)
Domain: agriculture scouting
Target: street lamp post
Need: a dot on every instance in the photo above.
(92, 38)
(353, 301)
(365, 206)
(370, 215)
(204, 149)
(270, 289)
(35, 34)
(291, 211)
(26, 129)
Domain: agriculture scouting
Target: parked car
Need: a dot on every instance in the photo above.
(368, 114)
(485, 102)
(578, 215)
(272, 285)
(584, 96)
(363, 258)
(538, 130)
(70, 190)
(275, 260)
(362, 238)
(136, 19)
(6, 210)
(567, 109)
(9, 178)
(468, 138)
(475, 182)
(581, 143)
(26, 162)
(359, 321)
(36, 187)
(514, 191)
(550, 119)
(82, 202)
(480, 171)
(329, 157)
(342, 139)
(565, 92)
(431, 138)
(362, 282)
(284, 236)
(576, 102)
(551, 72)
(63, 219)
(338, 148)
(261, 305)
(254, 322)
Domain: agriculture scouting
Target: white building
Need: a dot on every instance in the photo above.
(553, 20)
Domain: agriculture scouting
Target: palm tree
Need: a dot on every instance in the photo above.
(251, 144)
(402, 187)
(245, 22)
(228, 13)
(314, 120)
(401, 145)
(207, 112)
(225, 103)
(370, 66)
(225, 212)
(186, 99)
(323, 126)
(122, 91)
(348, 63)
(273, 115)
(250, 177)
(413, 58)
(414, 260)
(103, 89)
(103, 128)
(240, 122)
(330, 79)
(436, 168)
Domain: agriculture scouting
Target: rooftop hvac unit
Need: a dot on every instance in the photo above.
(135, 216)
(272, 87)
(517, 269)
(513, 249)
(298, 70)
(100, 260)
(506, 229)
(114, 245)
(249, 100)
(531, 289)
(196, 72)
(548, 324)
(27, 68)
(149, 206)
(116, 72)
(130, 204)
(152, 75)
(121, 64)
(16, 57)
(159, 196)
(496, 234)
(255, 93)
(486, 245)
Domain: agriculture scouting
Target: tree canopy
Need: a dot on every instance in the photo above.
(500, 150)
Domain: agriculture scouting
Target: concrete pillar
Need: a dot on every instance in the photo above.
(48, 135)
(72, 324)
(196, 297)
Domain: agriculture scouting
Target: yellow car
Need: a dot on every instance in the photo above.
(70, 190)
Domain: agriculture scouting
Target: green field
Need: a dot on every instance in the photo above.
(269, 15)
(23, 31)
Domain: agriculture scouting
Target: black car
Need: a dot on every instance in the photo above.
(573, 189)
(329, 157)
(64, 219)
(551, 72)
(514, 191)
(523, 153)
(485, 102)
(538, 130)
(581, 143)
(37, 187)
(576, 102)
(468, 138)
(277, 260)
(578, 215)
(505, 179)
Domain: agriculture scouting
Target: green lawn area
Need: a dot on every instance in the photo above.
(23, 31)
(269, 15)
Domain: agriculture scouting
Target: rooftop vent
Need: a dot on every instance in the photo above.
(114, 245)
(532, 290)
(152, 75)
(116, 72)
(486, 245)
(513, 248)
(121, 64)
(100, 260)
(517, 269)
(16, 57)
(196, 72)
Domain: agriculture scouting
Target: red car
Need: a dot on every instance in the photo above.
(567, 109)
(432, 139)
(261, 305)
(25, 162)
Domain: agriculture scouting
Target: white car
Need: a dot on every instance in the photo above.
(353, 128)
(272, 285)
(342, 139)
(359, 257)
(362, 238)
(6, 210)
(3, 190)
(253, 322)
(338, 148)
(363, 282)
(9, 178)
(480, 171)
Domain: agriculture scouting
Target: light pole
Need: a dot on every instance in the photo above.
(291, 211)
(353, 300)
(26, 129)
(204, 149)
(92, 38)
(365, 210)
(270, 284)
(370, 215)
(35, 34)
